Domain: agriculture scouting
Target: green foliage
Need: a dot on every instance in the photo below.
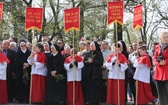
(59, 77)
(93, 19)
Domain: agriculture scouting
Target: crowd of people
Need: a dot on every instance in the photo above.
(58, 74)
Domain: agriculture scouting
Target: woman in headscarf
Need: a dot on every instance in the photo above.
(123, 49)
(93, 64)
(22, 73)
(3, 85)
(67, 51)
(38, 60)
(47, 50)
(55, 88)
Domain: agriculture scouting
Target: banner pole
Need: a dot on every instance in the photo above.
(73, 32)
(138, 30)
(118, 81)
(30, 94)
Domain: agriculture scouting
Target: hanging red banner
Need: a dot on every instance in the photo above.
(137, 19)
(72, 19)
(34, 19)
(1, 10)
(115, 12)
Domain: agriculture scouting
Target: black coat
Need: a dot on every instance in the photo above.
(10, 74)
(22, 90)
(11, 66)
(55, 90)
(94, 69)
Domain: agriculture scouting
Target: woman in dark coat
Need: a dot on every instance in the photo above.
(124, 51)
(93, 63)
(22, 73)
(55, 89)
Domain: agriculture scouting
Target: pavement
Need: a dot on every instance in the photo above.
(129, 103)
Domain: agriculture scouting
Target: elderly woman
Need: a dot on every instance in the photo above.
(161, 73)
(22, 73)
(12, 46)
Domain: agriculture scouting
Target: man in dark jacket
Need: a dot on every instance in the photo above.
(10, 69)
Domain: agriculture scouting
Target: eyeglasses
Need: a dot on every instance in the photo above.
(59, 43)
(52, 48)
(23, 46)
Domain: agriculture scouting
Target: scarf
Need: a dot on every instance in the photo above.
(163, 46)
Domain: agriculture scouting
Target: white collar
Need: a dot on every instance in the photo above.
(24, 51)
(55, 54)
(47, 51)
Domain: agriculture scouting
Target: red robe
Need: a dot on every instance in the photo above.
(112, 87)
(39, 82)
(79, 100)
(3, 84)
(144, 89)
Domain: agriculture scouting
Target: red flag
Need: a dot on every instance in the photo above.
(72, 19)
(137, 20)
(115, 12)
(34, 18)
(1, 10)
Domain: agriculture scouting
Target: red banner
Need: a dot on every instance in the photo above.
(137, 19)
(115, 12)
(1, 10)
(34, 18)
(72, 19)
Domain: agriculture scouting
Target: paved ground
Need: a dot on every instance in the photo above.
(129, 103)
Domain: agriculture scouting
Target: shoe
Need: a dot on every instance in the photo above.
(130, 99)
(155, 102)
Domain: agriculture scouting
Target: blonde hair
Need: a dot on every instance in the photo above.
(163, 33)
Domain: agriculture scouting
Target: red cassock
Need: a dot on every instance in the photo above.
(144, 93)
(112, 87)
(3, 84)
(144, 89)
(3, 92)
(38, 88)
(112, 92)
(79, 100)
(39, 82)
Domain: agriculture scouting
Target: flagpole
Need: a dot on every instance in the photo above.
(30, 94)
(73, 32)
(118, 81)
(138, 30)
